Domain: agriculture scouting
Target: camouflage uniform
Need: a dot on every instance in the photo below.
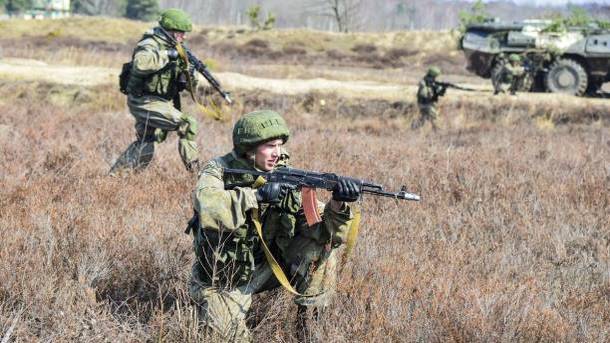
(510, 76)
(155, 81)
(427, 96)
(231, 265)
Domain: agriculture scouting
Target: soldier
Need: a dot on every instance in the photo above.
(510, 76)
(231, 265)
(428, 93)
(157, 76)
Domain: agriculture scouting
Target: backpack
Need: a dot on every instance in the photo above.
(124, 77)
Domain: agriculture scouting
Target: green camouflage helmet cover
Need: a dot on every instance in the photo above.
(258, 127)
(514, 58)
(176, 20)
(433, 71)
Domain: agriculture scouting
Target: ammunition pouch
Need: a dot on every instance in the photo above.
(181, 82)
(227, 257)
(163, 83)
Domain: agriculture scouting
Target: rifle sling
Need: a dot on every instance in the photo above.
(275, 266)
(352, 236)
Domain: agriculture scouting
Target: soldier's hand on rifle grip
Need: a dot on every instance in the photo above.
(172, 54)
(346, 190)
(442, 90)
(273, 192)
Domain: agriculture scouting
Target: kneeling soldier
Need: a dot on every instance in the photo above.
(231, 264)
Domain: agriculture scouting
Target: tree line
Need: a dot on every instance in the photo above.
(134, 9)
(330, 15)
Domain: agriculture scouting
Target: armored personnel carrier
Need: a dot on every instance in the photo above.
(574, 60)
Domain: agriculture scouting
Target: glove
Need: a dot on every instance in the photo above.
(346, 190)
(172, 54)
(440, 90)
(273, 192)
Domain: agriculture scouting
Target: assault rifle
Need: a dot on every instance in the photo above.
(308, 181)
(203, 70)
(200, 67)
(446, 85)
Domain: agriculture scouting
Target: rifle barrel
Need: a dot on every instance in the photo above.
(402, 195)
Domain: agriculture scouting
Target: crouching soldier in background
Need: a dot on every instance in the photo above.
(231, 263)
(510, 76)
(428, 93)
(153, 81)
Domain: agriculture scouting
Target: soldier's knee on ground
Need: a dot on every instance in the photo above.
(188, 128)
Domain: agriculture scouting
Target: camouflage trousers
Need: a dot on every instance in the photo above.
(223, 311)
(155, 117)
(503, 87)
(426, 113)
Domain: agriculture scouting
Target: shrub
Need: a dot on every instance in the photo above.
(364, 48)
(253, 14)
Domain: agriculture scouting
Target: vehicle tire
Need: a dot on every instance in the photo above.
(566, 76)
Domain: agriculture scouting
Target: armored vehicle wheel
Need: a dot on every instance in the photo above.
(566, 76)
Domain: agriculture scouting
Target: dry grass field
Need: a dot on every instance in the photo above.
(510, 243)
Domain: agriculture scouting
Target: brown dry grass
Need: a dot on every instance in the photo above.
(511, 242)
(108, 42)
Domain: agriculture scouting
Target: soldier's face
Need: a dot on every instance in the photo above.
(179, 36)
(267, 154)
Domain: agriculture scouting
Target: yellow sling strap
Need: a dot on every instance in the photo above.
(352, 236)
(275, 266)
(215, 111)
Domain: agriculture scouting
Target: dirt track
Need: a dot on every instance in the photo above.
(32, 70)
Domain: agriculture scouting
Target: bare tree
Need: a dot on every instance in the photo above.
(344, 13)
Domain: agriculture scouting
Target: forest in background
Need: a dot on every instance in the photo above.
(355, 15)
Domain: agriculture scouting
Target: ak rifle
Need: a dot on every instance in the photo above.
(454, 86)
(199, 66)
(309, 181)
(203, 70)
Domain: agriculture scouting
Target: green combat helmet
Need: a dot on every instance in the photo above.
(258, 127)
(514, 58)
(433, 72)
(176, 20)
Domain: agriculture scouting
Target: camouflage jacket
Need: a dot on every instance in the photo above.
(510, 73)
(152, 71)
(228, 213)
(428, 93)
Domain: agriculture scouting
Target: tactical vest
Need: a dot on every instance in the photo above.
(426, 99)
(238, 252)
(162, 83)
